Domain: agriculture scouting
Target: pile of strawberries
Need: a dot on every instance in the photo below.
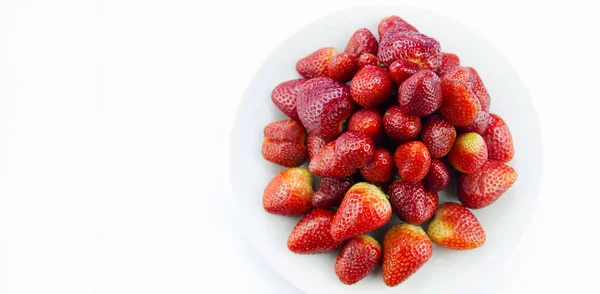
(385, 143)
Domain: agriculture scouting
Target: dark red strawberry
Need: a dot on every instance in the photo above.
(326, 164)
(284, 143)
(284, 97)
(405, 249)
(399, 126)
(393, 23)
(366, 59)
(289, 192)
(421, 94)
(315, 64)
(311, 234)
(455, 227)
(368, 122)
(357, 259)
(410, 46)
(371, 86)
(342, 67)
(331, 191)
(438, 135)
(400, 70)
(412, 160)
(499, 140)
(314, 144)
(355, 148)
(381, 168)
(362, 41)
(438, 176)
(469, 153)
(449, 61)
(480, 189)
(412, 202)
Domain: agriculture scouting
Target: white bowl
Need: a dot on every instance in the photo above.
(447, 271)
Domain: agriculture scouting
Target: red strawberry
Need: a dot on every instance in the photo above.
(400, 70)
(315, 64)
(381, 168)
(405, 249)
(368, 122)
(412, 202)
(314, 144)
(284, 143)
(412, 160)
(342, 67)
(371, 86)
(499, 140)
(421, 94)
(469, 153)
(438, 176)
(331, 191)
(478, 125)
(438, 135)
(455, 227)
(449, 61)
(357, 259)
(326, 164)
(410, 46)
(394, 23)
(365, 208)
(284, 97)
(355, 148)
(366, 59)
(470, 76)
(289, 192)
(460, 106)
(362, 41)
(399, 126)
(311, 234)
(480, 189)
(324, 106)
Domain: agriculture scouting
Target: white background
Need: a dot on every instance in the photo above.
(115, 119)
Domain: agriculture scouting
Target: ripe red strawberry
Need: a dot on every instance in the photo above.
(381, 168)
(331, 191)
(460, 106)
(480, 189)
(324, 106)
(362, 41)
(326, 164)
(470, 76)
(399, 126)
(368, 122)
(314, 144)
(499, 140)
(410, 46)
(438, 135)
(412, 202)
(455, 227)
(315, 64)
(366, 59)
(438, 176)
(412, 160)
(355, 148)
(400, 70)
(478, 125)
(449, 61)
(284, 97)
(357, 259)
(371, 86)
(405, 249)
(283, 143)
(342, 67)
(289, 192)
(393, 23)
(421, 94)
(311, 234)
(365, 208)
(469, 153)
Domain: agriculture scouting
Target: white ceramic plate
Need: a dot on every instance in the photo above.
(449, 271)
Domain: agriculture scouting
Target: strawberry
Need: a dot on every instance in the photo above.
(393, 23)
(362, 41)
(478, 125)
(438, 135)
(405, 249)
(311, 234)
(399, 126)
(357, 259)
(381, 168)
(355, 148)
(480, 189)
(455, 227)
(315, 64)
(469, 153)
(367, 59)
(438, 176)
(342, 67)
(314, 144)
(371, 86)
(400, 70)
(283, 143)
(365, 208)
(289, 192)
(410, 46)
(470, 76)
(368, 122)
(331, 191)
(326, 164)
(412, 160)
(284, 97)
(421, 94)
(324, 105)
(499, 140)
(412, 202)
(460, 106)
(449, 61)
